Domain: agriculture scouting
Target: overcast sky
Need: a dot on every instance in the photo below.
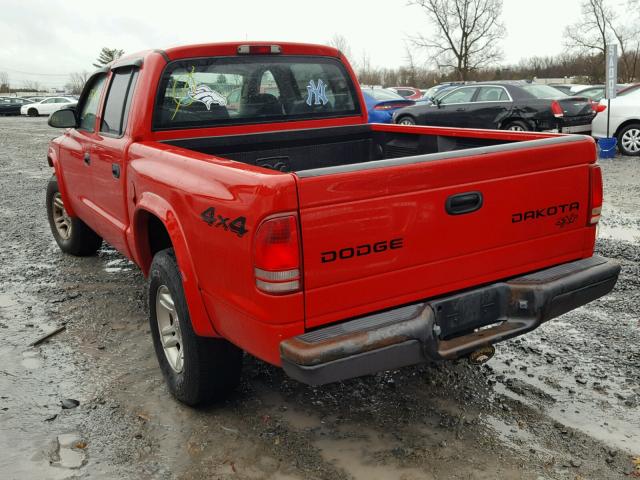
(52, 38)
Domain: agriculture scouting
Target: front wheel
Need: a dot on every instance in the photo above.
(197, 370)
(406, 120)
(629, 140)
(72, 235)
(32, 112)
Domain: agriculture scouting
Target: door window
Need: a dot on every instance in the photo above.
(89, 102)
(492, 94)
(462, 95)
(49, 100)
(116, 108)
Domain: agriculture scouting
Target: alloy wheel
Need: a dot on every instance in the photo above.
(61, 219)
(169, 328)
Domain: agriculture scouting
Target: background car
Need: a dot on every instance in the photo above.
(409, 93)
(47, 106)
(515, 106)
(568, 88)
(381, 103)
(596, 92)
(11, 105)
(624, 122)
(628, 89)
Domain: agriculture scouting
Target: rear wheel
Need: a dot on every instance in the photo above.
(406, 120)
(197, 370)
(516, 126)
(72, 235)
(629, 140)
(32, 112)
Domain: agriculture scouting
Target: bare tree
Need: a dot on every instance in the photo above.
(340, 42)
(412, 70)
(467, 33)
(76, 82)
(600, 26)
(4, 83)
(31, 86)
(107, 55)
(591, 32)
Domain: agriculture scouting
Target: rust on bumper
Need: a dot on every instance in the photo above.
(445, 328)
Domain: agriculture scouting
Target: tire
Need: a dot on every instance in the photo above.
(629, 140)
(516, 126)
(72, 235)
(32, 112)
(406, 120)
(197, 370)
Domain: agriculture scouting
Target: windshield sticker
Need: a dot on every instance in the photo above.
(317, 92)
(195, 93)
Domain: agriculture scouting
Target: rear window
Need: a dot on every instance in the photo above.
(239, 90)
(543, 91)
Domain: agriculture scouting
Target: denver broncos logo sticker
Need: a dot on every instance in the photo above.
(204, 94)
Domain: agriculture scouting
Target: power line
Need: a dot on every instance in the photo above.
(35, 74)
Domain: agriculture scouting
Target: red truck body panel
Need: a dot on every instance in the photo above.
(440, 253)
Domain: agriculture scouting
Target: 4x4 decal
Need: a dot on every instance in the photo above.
(237, 225)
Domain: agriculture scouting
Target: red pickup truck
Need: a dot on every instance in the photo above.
(284, 225)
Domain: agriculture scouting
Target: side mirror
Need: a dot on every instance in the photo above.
(437, 102)
(64, 118)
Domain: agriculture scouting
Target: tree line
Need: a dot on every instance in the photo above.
(465, 44)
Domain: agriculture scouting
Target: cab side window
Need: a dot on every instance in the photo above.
(462, 95)
(492, 94)
(90, 102)
(116, 107)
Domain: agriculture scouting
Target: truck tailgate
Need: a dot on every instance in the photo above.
(390, 232)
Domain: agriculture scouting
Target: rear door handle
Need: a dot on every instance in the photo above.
(462, 203)
(115, 170)
(461, 109)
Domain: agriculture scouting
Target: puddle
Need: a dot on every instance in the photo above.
(70, 452)
(598, 412)
(512, 435)
(31, 360)
(354, 456)
(118, 265)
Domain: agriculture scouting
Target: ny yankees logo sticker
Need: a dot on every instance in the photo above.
(316, 94)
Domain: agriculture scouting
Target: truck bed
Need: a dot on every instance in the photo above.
(298, 151)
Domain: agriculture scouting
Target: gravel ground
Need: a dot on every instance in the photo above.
(560, 403)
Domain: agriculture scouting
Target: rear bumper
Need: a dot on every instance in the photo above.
(446, 328)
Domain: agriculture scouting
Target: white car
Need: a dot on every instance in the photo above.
(47, 106)
(624, 122)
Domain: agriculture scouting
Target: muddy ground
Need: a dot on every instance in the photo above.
(560, 403)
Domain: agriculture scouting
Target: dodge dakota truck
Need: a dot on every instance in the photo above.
(271, 218)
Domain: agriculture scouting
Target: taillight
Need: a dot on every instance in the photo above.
(556, 109)
(390, 106)
(595, 195)
(259, 49)
(598, 107)
(277, 256)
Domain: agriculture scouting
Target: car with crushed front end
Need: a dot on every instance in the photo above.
(292, 229)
